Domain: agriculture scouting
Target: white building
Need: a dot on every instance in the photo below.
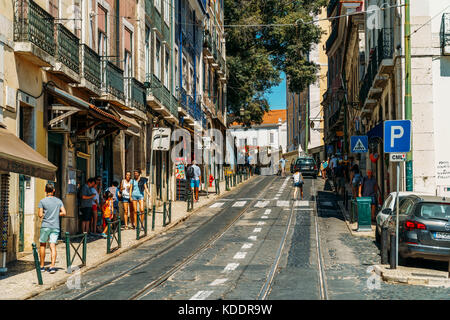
(272, 132)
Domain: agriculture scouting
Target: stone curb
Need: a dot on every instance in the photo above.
(410, 279)
(133, 246)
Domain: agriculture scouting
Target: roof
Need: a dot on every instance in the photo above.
(271, 117)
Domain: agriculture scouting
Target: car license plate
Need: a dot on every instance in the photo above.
(304, 168)
(442, 236)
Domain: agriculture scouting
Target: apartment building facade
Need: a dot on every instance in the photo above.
(83, 84)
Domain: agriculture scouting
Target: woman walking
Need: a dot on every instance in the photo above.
(139, 187)
(298, 183)
(125, 193)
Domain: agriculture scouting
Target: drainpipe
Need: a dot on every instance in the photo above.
(408, 96)
(118, 32)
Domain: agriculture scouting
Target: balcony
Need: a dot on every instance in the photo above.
(113, 89)
(385, 50)
(160, 99)
(34, 33)
(331, 6)
(135, 94)
(90, 70)
(67, 56)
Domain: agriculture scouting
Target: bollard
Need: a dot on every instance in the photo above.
(68, 262)
(217, 186)
(393, 261)
(119, 235)
(153, 217)
(37, 264)
(164, 214)
(170, 211)
(108, 238)
(227, 186)
(138, 224)
(383, 245)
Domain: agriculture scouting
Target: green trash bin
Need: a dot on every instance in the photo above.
(364, 213)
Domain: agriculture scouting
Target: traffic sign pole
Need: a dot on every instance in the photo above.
(396, 224)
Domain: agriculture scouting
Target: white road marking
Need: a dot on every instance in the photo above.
(252, 238)
(217, 205)
(268, 211)
(240, 255)
(247, 246)
(264, 217)
(231, 267)
(256, 230)
(218, 282)
(239, 203)
(261, 204)
(302, 203)
(282, 203)
(261, 223)
(201, 295)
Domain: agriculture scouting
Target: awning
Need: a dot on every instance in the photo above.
(377, 131)
(134, 127)
(83, 105)
(18, 157)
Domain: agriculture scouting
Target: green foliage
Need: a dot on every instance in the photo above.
(257, 55)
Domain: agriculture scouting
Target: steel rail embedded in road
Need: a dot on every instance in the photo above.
(322, 281)
(156, 283)
(147, 260)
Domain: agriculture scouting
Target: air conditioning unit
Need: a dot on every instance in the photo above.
(59, 126)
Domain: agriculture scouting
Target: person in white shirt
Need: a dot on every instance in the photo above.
(298, 183)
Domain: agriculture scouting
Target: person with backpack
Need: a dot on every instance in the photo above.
(138, 190)
(298, 183)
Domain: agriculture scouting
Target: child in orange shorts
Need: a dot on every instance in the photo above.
(108, 211)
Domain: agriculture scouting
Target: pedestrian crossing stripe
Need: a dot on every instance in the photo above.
(217, 205)
(261, 204)
(239, 203)
(281, 203)
(201, 295)
(359, 146)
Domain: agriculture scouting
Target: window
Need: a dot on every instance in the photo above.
(158, 5)
(166, 69)
(242, 142)
(255, 141)
(102, 31)
(147, 51)
(272, 138)
(405, 208)
(191, 80)
(157, 70)
(53, 8)
(177, 75)
(128, 54)
(185, 74)
(166, 11)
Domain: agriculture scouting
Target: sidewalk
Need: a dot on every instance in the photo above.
(20, 282)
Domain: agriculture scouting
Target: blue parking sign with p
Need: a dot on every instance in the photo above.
(397, 136)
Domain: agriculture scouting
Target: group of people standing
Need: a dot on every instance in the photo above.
(97, 208)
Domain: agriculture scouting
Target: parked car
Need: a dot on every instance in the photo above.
(388, 208)
(307, 166)
(424, 228)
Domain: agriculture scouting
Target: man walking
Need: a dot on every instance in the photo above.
(369, 188)
(86, 204)
(50, 209)
(196, 176)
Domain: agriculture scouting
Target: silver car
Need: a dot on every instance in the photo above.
(424, 228)
(388, 208)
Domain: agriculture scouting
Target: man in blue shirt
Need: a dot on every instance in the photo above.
(195, 181)
(283, 166)
(50, 209)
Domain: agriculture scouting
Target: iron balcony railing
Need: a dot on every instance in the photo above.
(135, 92)
(207, 41)
(174, 106)
(191, 107)
(165, 97)
(183, 99)
(333, 36)
(155, 88)
(90, 66)
(204, 122)
(369, 77)
(148, 7)
(34, 24)
(112, 80)
(67, 48)
(385, 46)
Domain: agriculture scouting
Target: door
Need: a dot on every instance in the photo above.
(21, 212)
(55, 142)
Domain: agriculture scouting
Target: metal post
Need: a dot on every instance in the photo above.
(396, 215)
(68, 264)
(394, 261)
(119, 234)
(138, 224)
(146, 221)
(383, 245)
(170, 211)
(164, 214)
(85, 247)
(108, 238)
(153, 217)
(37, 264)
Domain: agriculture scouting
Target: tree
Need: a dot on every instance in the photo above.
(256, 55)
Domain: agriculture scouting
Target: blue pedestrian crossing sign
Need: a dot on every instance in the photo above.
(359, 144)
(397, 136)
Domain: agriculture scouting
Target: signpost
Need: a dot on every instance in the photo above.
(397, 142)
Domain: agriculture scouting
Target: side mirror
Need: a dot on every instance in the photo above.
(387, 211)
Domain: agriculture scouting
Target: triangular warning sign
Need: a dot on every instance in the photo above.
(359, 146)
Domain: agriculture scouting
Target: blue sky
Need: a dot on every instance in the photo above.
(277, 99)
